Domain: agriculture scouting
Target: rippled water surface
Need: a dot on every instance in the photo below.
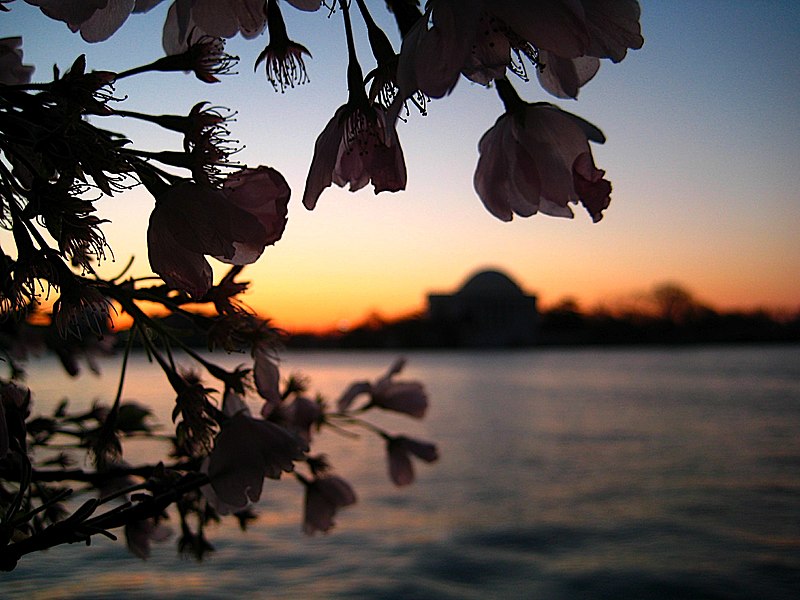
(602, 473)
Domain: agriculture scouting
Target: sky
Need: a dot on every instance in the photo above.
(703, 152)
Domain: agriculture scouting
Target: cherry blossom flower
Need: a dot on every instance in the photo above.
(613, 27)
(224, 295)
(70, 220)
(384, 86)
(233, 225)
(399, 451)
(263, 192)
(324, 496)
(359, 144)
(569, 38)
(480, 38)
(536, 158)
(245, 452)
(283, 57)
(212, 18)
(301, 415)
(306, 5)
(491, 51)
(12, 71)
(197, 426)
(202, 123)
(86, 92)
(226, 19)
(555, 25)
(408, 397)
(97, 20)
(284, 64)
(139, 535)
(266, 376)
(233, 403)
(204, 55)
(206, 138)
(431, 58)
(563, 77)
(80, 303)
(191, 220)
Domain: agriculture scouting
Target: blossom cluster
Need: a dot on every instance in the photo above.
(57, 158)
(249, 449)
(535, 159)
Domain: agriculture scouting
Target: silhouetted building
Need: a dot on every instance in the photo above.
(490, 309)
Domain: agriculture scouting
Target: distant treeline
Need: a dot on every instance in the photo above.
(667, 315)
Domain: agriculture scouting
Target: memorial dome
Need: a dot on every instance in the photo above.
(490, 283)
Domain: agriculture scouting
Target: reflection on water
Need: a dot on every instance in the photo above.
(563, 474)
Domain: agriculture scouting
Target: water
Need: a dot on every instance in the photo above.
(601, 473)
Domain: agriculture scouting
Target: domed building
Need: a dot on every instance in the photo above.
(489, 310)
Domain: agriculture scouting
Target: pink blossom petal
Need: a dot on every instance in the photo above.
(302, 415)
(407, 397)
(532, 161)
(444, 49)
(252, 17)
(105, 22)
(326, 152)
(176, 28)
(564, 77)
(593, 191)
(246, 451)
(199, 217)
(555, 141)
(357, 146)
(267, 378)
(407, 83)
(351, 393)
(557, 25)
(202, 219)
(524, 184)
(145, 5)
(233, 403)
(307, 5)
(388, 169)
(215, 17)
(178, 266)
(72, 12)
(422, 450)
(351, 167)
(491, 53)
(324, 496)
(264, 193)
(396, 367)
(401, 471)
(226, 18)
(613, 27)
(491, 173)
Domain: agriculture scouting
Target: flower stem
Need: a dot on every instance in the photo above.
(355, 77)
(508, 95)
